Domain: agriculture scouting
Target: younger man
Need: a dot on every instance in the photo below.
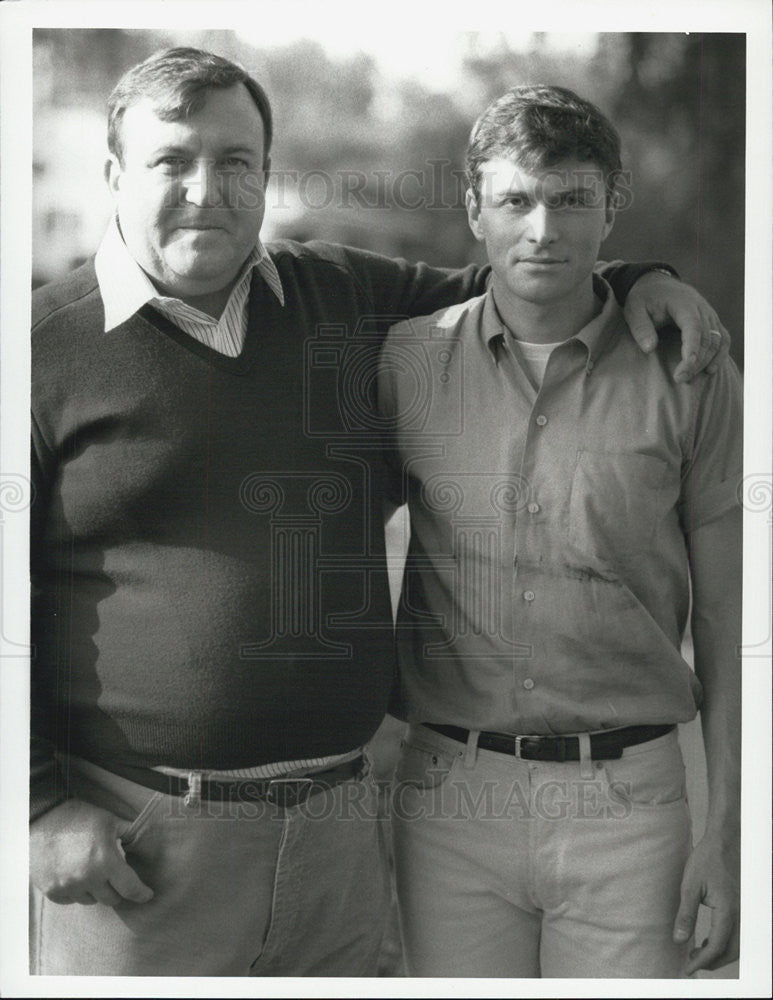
(563, 492)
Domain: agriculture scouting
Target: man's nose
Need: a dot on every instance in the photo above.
(200, 184)
(542, 225)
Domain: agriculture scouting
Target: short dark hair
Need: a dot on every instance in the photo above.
(538, 127)
(176, 81)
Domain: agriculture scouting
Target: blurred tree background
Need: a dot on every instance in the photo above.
(372, 155)
(374, 158)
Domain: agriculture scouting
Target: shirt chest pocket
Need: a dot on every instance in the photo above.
(617, 501)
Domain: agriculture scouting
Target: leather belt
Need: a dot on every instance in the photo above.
(608, 745)
(285, 792)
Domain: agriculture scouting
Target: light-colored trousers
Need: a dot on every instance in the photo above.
(240, 888)
(515, 868)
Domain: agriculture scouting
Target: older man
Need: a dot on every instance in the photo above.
(212, 618)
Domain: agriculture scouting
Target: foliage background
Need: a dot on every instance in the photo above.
(373, 158)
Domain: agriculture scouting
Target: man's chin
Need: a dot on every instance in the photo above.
(546, 284)
(198, 274)
(542, 293)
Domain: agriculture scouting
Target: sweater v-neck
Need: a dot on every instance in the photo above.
(257, 305)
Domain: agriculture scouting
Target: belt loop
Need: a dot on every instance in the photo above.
(193, 795)
(586, 764)
(471, 751)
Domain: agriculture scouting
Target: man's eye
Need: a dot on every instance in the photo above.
(578, 199)
(233, 163)
(517, 202)
(172, 162)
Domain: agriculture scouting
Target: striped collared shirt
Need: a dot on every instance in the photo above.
(125, 288)
(279, 769)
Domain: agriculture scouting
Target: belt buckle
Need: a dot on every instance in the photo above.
(276, 784)
(518, 740)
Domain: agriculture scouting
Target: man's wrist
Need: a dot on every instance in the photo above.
(622, 276)
(724, 824)
(666, 269)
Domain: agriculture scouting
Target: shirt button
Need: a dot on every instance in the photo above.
(541, 420)
(528, 683)
(528, 595)
(533, 508)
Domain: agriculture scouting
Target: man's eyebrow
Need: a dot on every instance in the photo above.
(175, 147)
(506, 192)
(169, 147)
(571, 187)
(227, 150)
(575, 180)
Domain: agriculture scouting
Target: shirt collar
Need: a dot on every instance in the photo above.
(594, 336)
(125, 287)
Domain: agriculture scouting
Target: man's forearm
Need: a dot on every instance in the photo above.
(712, 872)
(720, 724)
(716, 625)
(623, 276)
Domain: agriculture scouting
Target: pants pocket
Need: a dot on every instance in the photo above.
(423, 766)
(127, 799)
(142, 819)
(652, 774)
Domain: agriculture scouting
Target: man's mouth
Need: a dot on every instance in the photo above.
(541, 260)
(199, 225)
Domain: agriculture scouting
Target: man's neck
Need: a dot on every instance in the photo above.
(546, 322)
(211, 303)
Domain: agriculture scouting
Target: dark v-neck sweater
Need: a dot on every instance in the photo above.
(208, 553)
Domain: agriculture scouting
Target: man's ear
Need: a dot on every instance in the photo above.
(113, 174)
(473, 214)
(266, 171)
(609, 218)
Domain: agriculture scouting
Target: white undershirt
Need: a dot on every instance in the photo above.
(533, 358)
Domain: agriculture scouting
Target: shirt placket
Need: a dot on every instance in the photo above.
(533, 520)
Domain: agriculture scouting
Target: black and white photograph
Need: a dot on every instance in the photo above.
(385, 499)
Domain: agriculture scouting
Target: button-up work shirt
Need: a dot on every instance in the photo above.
(547, 582)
